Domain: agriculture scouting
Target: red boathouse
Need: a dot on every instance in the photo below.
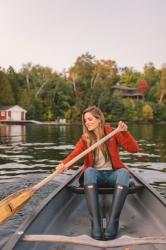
(12, 113)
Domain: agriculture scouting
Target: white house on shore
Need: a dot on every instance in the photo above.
(12, 113)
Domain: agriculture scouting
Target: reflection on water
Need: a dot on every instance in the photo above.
(12, 134)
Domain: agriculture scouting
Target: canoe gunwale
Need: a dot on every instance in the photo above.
(148, 186)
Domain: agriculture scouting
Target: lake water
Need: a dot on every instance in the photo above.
(29, 153)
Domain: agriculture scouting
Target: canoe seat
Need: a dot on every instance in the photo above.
(77, 188)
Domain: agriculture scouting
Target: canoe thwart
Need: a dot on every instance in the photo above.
(77, 188)
(88, 241)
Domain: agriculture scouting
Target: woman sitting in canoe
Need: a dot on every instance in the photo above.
(103, 167)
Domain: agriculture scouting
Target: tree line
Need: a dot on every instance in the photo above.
(49, 95)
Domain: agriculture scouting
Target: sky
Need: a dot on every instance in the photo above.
(55, 33)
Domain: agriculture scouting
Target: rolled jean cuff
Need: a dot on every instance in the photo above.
(122, 177)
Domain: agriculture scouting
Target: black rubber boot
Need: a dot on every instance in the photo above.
(118, 201)
(93, 207)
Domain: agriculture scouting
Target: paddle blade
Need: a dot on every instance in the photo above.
(10, 205)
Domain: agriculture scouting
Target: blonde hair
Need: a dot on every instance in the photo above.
(90, 135)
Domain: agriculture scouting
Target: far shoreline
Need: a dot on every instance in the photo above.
(56, 123)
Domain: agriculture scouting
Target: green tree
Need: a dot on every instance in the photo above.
(159, 112)
(114, 109)
(130, 112)
(16, 82)
(138, 107)
(129, 77)
(92, 80)
(106, 75)
(26, 73)
(81, 75)
(25, 98)
(153, 93)
(36, 110)
(6, 92)
(151, 74)
(163, 85)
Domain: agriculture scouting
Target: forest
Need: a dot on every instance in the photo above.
(48, 95)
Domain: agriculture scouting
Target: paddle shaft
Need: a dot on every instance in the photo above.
(77, 158)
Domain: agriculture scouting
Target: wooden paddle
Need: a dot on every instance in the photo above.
(11, 204)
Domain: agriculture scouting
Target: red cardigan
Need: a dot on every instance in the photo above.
(123, 139)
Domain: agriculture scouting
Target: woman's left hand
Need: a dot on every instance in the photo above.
(122, 126)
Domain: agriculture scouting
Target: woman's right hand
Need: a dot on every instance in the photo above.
(60, 168)
(122, 126)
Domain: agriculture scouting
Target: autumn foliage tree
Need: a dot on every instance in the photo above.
(147, 112)
(143, 87)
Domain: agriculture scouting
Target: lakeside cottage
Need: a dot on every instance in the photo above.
(12, 113)
(126, 92)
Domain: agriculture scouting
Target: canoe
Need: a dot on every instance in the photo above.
(61, 220)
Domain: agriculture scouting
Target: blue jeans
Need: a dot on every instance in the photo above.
(106, 178)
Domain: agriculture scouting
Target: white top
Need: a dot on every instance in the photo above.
(100, 163)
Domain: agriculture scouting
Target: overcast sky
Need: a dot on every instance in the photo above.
(55, 32)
